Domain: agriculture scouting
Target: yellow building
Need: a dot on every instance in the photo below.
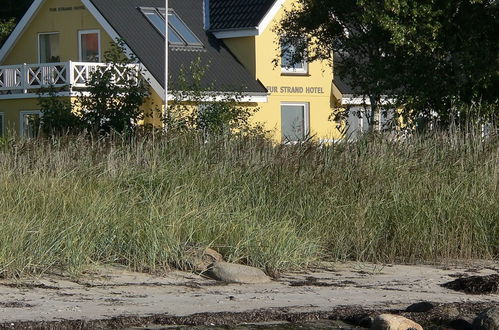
(59, 42)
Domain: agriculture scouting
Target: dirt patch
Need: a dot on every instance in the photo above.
(313, 281)
(29, 286)
(15, 304)
(475, 284)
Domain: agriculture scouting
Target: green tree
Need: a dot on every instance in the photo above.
(433, 56)
(116, 91)
(6, 27)
(447, 54)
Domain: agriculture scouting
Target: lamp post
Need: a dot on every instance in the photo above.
(167, 113)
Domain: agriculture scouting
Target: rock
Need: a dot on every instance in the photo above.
(199, 259)
(394, 322)
(420, 307)
(475, 284)
(362, 320)
(235, 273)
(488, 320)
(459, 324)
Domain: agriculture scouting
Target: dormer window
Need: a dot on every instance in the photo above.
(289, 65)
(178, 33)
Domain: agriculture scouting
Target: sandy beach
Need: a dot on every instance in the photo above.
(104, 294)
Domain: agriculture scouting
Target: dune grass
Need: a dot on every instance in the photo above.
(71, 202)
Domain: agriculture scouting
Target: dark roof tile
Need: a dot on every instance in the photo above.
(224, 72)
(238, 14)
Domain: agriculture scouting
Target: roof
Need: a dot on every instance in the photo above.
(343, 82)
(343, 85)
(224, 72)
(238, 14)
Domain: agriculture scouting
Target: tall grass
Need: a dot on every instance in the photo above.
(71, 202)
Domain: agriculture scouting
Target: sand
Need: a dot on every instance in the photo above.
(113, 291)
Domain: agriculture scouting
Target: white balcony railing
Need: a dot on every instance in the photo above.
(30, 78)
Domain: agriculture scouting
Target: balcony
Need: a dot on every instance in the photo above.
(27, 80)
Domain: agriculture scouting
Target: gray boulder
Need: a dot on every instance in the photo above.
(235, 273)
(488, 320)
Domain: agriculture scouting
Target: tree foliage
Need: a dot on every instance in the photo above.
(58, 117)
(434, 57)
(6, 27)
(114, 96)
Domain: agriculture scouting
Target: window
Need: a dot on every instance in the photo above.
(294, 122)
(357, 123)
(2, 124)
(30, 123)
(178, 32)
(89, 46)
(179, 26)
(48, 47)
(288, 51)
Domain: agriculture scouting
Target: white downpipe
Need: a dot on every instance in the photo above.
(167, 113)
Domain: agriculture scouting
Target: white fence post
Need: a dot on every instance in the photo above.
(70, 75)
(24, 78)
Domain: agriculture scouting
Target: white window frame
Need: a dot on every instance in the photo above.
(2, 124)
(82, 32)
(21, 119)
(306, 118)
(293, 71)
(39, 44)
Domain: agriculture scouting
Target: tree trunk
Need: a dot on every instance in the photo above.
(373, 111)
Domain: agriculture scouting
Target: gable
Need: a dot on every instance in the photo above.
(238, 14)
(66, 17)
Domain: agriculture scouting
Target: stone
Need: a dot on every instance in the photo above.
(420, 307)
(362, 320)
(394, 322)
(235, 273)
(199, 259)
(488, 320)
(459, 324)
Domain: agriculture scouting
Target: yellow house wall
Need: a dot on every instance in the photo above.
(319, 81)
(12, 111)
